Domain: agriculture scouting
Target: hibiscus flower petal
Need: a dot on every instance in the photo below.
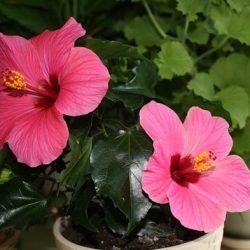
(54, 46)
(162, 124)
(194, 210)
(11, 110)
(206, 133)
(83, 83)
(39, 138)
(231, 184)
(19, 54)
(156, 179)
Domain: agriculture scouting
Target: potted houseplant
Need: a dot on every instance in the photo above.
(182, 173)
(119, 170)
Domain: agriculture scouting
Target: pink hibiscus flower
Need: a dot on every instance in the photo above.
(41, 80)
(190, 167)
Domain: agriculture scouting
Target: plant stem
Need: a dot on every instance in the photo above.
(185, 30)
(153, 20)
(75, 8)
(211, 51)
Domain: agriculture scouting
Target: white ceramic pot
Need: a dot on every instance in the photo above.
(210, 241)
(237, 231)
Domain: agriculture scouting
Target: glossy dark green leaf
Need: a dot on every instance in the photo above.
(79, 210)
(143, 82)
(112, 49)
(77, 170)
(21, 204)
(117, 164)
(115, 219)
(130, 101)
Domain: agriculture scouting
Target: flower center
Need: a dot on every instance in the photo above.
(185, 170)
(13, 79)
(15, 82)
(204, 161)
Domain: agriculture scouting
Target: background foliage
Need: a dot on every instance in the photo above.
(179, 52)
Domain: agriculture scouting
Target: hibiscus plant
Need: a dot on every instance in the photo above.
(129, 123)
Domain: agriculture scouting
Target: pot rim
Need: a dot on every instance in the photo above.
(60, 237)
(238, 243)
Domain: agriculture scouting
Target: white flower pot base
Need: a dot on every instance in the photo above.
(210, 241)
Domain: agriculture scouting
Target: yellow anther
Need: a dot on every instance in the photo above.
(204, 161)
(13, 79)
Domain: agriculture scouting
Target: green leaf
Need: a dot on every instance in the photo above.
(130, 101)
(202, 85)
(199, 35)
(242, 140)
(115, 219)
(116, 170)
(79, 210)
(235, 100)
(238, 5)
(79, 167)
(143, 32)
(173, 59)
(143, 81)
(21, 204)
(232, 70)
(140, 73)
(34, 19)
(5, 175)
(232, 24)
(112, 49)
(190, 8)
